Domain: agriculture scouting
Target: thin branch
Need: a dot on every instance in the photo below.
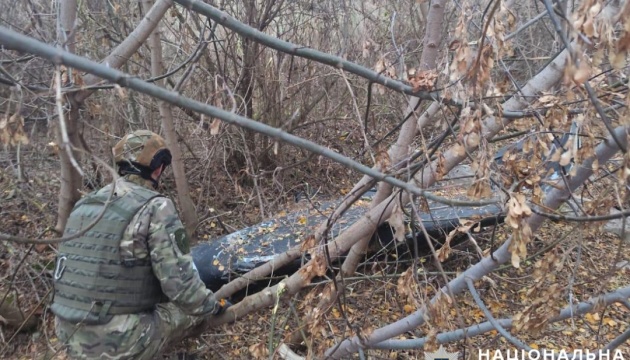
(20, 59)
(478, 329)
(24, 43)
(270, 41)
(526, 25)
(618, 341)
(192, 58)
(516, 342)
(17, 268)
(62, 124)
(556, 217)
(28, 317)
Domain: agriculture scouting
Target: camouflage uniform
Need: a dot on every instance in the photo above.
(155, 232)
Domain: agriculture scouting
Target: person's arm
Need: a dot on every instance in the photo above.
(172, 263)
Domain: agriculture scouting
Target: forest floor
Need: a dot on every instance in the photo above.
(588, 263)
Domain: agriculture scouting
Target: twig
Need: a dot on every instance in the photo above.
(587, 86)
(300, 326)
(526, 25)
(556, 217)
(618, 341)
(516, 342)
(202, 47)
(28, 252)
(602, 114)
(356, 108)
(274, 315)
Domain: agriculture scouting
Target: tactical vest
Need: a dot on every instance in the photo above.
(91, 280)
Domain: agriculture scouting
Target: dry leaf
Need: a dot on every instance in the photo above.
(259, 351)
(423, 80)
(214, 127)
(383, 161)
(582, 73)
(120, 91)
(459, 150)
(396, 221)
(308, 244)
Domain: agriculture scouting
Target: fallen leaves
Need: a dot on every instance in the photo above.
(406, 287)
(259, 350)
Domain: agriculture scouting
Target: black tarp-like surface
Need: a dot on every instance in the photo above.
(221, 260)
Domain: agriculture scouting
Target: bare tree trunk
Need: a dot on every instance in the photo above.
(189, 213)
(246, 84)
(71, 180)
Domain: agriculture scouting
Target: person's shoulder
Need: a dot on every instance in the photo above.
(162, 204)
(163, 209)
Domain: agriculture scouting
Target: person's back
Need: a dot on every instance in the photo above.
(126, 286)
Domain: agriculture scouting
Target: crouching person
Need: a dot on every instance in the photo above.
(128, 286)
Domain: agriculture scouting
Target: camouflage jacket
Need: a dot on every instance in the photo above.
(157, 232)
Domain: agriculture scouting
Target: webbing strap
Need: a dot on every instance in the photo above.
(132, 273)
(133, 285)
(79, 251)
(136, 297)
(96, 308)
(104, 226)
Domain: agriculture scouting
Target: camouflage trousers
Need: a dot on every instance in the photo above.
(126, 337)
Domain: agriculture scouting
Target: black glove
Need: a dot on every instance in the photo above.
(222, 305)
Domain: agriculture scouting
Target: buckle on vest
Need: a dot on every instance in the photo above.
(60, 267)
(103, 312)
(129, 263)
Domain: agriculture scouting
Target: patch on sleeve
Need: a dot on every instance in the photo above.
(181, 239)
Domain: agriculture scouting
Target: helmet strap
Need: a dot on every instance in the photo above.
(147, 174)
(144, 172)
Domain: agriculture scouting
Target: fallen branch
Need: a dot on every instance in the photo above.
(582, 308)
(553, 200)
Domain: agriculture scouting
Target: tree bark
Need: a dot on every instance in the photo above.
(186, 204)
(71, 180)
